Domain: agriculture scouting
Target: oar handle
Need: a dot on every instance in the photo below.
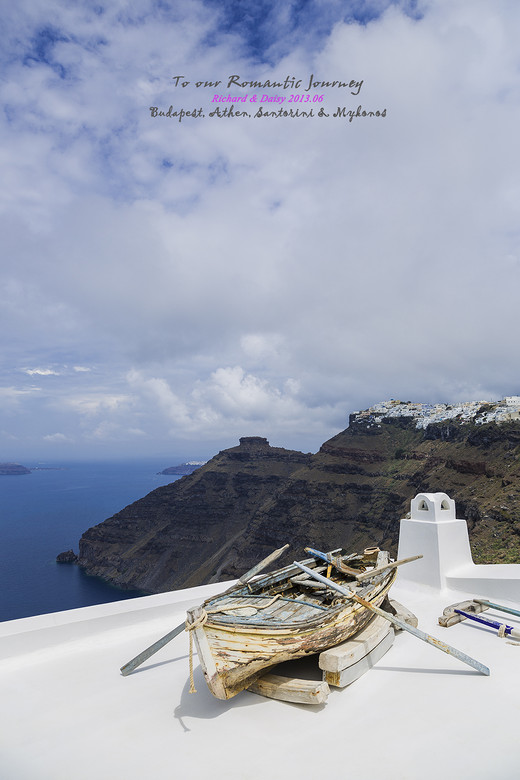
(500, 607)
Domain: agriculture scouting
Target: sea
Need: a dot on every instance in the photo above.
(45, 513)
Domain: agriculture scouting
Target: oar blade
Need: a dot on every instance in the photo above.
(262, 565)
(129, 667)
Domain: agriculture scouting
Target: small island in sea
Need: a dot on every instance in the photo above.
(183, 468)
(9, 469)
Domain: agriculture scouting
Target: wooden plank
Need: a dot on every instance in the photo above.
(403, 613)
(291, 689)
(269, 580)
(312, 585)
(265, 617)
(449, 617)
(340, 657)
(231, 602)
(206, 658)
(347, 676)
(281, 609)
(293, 611)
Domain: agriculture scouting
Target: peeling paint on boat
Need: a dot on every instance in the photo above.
(235, 650)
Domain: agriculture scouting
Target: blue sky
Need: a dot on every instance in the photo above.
(167, 287)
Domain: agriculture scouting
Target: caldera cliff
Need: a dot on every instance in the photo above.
(248, 500)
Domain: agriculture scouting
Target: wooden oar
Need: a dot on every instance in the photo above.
(399, 623)
(500, 607)
(146, 654)
(336, 562)
(364, 575)
(259, 567)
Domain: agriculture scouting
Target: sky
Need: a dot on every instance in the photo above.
(168, 286)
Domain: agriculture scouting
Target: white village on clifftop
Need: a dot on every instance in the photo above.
(479, 412)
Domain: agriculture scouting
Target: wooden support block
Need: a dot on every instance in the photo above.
(341, 679)
(344, 655)
(404, 614)
(291, 689)
(449, 617)
(339, 657)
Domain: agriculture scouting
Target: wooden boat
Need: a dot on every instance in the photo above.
(283, 615)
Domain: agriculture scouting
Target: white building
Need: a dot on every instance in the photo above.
(425, 414)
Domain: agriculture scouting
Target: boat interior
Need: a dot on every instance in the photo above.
(288, 597)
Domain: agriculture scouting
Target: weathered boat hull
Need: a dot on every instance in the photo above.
(233, 656)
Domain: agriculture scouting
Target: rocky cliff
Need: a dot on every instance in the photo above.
(217, 522)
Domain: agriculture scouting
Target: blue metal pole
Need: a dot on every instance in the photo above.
(487, 621)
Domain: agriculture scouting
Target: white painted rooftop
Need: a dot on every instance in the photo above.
(66, 712)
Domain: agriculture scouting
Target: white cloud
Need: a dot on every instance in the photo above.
(225, 274)
(138, 432)
(234, 393)
(58, 438)
(41, 372)
(228, 404)
(157, 390)
(97, 403)
(14, 395)
(260, 346)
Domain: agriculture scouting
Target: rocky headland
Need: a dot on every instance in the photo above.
(10, 469)
(182, 469)
(69, 556)
(248, 500)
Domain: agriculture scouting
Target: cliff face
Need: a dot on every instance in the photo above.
(219, 521)
(194, 530)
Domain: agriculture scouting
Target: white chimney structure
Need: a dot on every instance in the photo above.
(434, 531)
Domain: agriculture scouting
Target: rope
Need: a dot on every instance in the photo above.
(202, 620)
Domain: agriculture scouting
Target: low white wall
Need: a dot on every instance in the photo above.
(41, 633)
